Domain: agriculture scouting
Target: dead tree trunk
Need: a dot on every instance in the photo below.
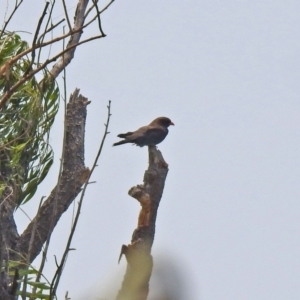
(26, 246)
(135, 284)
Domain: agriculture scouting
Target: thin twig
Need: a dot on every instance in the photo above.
(36, 36)
(11, 15)
(88, 11)
(41, 39)
(38, 277)
(67, 16)
(50, 29)
(98, 16)
(100, 12)
(65, 114)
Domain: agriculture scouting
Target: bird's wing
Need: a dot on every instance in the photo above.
(148, 135)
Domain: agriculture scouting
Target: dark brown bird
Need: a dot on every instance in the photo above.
(152, 134)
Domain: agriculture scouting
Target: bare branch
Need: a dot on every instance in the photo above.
(36, 36)
(65, 56)
(74, 39)
(49, 30)
(10, 92)
(6, 66)
(135, 284)
(69, 183)
(66, 13)
(100, 12)
(41, 39)
(98, 16)
(75, 34)
(11, 15)
(85, 178)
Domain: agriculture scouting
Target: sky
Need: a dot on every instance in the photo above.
(227, 74)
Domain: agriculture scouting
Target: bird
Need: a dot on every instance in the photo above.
(149, 135)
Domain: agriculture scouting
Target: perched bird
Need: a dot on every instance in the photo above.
(152, 134)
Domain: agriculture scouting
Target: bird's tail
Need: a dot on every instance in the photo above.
(121, 143)
(124, 135)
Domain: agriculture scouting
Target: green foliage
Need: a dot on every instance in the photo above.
(30, 288)
(25, 122)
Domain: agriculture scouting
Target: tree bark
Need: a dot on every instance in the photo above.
(74, 39)
(74, 174)
(69, 183)
(135, 284)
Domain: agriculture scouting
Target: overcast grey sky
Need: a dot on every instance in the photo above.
(227, 74)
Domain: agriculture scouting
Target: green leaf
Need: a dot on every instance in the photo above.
(33, 295)
(26, 120)
(41, 285)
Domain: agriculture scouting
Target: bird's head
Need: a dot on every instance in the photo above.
(162, 121)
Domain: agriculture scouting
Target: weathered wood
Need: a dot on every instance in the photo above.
(135, 284)
(69, 183)
(28, 245)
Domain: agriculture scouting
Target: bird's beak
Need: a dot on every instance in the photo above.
(171, 123)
